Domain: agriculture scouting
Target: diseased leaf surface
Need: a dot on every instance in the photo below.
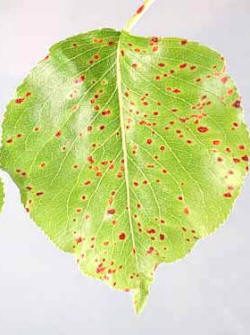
(127, 150)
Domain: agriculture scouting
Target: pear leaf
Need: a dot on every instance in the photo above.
(127, 150)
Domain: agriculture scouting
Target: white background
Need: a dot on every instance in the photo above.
(41, 290)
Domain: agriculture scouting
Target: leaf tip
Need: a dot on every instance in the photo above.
(141, 294)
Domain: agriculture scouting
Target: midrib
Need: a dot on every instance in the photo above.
(123, 135)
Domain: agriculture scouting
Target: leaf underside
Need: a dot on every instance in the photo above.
(127, 150)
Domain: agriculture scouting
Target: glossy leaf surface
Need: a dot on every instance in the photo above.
(127, 150)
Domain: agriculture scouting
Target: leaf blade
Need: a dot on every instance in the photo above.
(145, 152)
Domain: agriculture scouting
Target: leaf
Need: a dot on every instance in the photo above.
(127, 150)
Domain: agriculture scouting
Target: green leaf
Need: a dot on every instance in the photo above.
(127, 150)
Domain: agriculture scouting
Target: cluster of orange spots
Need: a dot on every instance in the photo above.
(21, 173)
(200, 106)
(227, 195)
(162, 221)
(150, 250)
(20, 100)
(154, 43)
(95, 58)
(79, 80)
(173, 90)
(106, 112)
(192, 231)
(73, 94)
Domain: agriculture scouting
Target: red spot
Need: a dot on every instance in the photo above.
(202, 129)
(10, 140)
(122, 236)
(180, 198)
(216, 142)
(176, 91)
(150, 250)
(90, 159)
(193, 67)
(140, 9)
(155, 39)
(151, 231)
(28, 94)
(134, 66)
(162, 147)
(149, 141)
(241, 147)
(236, 104)
(236, 160)
(183, 66)
(58, 133)
(111, 211)
(227, 195)
(39, 194)
(186, 211)
(184, 42)
(87, 182)
(161, 64)
(100, 268)
(162, 237)
(79, 240)
(245, 158)
(224, 80)
(19, 100)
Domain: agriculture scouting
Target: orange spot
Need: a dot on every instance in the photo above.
(122, 236)
(202, 129)
(111, 211)
(140, 9)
